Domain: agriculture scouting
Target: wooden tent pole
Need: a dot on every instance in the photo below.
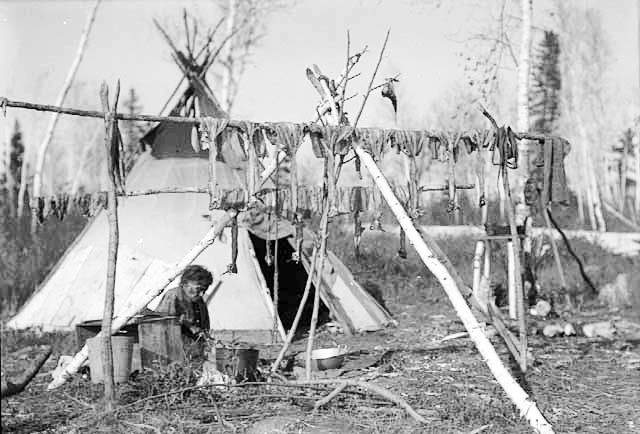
(520, 398)
(137, 305)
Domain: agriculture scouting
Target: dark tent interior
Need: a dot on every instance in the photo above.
(292, 278)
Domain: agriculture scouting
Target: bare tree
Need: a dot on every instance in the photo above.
(524, 73)
(42, 150)
(492, 64)
(245, 27)
(584, 120)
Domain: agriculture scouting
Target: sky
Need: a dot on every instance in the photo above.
(38, 40)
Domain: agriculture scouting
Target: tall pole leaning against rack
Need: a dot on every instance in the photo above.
(443, 270)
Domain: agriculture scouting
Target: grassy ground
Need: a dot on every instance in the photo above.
(580, 384)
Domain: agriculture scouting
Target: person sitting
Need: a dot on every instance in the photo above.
(186, 303)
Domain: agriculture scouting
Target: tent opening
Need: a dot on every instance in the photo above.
(292, 277)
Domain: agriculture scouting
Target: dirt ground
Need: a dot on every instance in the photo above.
(580, 384)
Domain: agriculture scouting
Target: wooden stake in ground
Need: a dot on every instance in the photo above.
(128, 311)
(554, 247)
(42, 150)
(296, 320)
(324, 223)
(112, 217)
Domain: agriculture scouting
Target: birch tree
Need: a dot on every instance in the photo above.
(42, 150)
(245, 26)
(585, 122)
(493, 64)
(524, 72)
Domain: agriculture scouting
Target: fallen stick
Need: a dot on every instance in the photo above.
(455, 336)
(214, 385)
(10, 388)
(373, 388)
(324, 401)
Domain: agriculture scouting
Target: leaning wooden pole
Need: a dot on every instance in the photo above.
(296, 320)
(521, 311)
(528, 408)
(324, 223)
(112, 258)
(554, 248)
(154, 290)
(42, 150)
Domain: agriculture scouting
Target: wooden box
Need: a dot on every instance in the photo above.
(89, 329)
(160, 342)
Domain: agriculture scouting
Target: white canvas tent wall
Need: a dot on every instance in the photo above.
(157, 230)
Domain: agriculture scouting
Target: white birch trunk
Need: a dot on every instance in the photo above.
(42, 150)
(598, 222)
(520, 398)
(135, 306)
(524, 68)
(580, 199)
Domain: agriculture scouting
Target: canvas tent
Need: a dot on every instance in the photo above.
(157, 230)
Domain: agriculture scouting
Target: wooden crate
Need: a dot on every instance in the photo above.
(89, 329)
(160, 341)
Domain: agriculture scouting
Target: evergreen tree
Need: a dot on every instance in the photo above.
(547, 82)
(132, 131)
(13, 170)
(16, 154)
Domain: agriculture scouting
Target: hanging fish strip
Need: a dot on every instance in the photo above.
(210, 129)
(249, 129)
(232, 268)
(290, 136)
(116, 160)
(505, 148)
(338, 142)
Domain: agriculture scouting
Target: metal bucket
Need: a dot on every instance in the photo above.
(238, 363)
(122, 348)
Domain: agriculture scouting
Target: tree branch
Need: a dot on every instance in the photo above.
(373, 77)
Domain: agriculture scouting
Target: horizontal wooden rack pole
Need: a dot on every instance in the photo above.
(5, 102)
(424, 188)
